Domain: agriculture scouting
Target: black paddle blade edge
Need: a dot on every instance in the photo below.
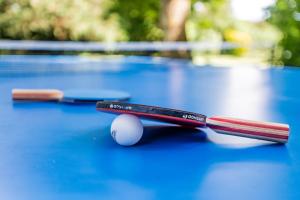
(153, 112)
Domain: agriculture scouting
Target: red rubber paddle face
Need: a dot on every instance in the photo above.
(154, 113)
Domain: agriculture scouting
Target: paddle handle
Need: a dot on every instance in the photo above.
(270, 131)
(37, 94)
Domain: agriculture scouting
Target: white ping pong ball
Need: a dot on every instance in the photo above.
(126, 129)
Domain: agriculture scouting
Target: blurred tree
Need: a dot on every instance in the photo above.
(139, 19)
(174, 14)
(173, 17)
(57, 20)
(285, 15)
(152, 20)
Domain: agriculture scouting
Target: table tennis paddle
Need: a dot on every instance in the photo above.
(69, 96)
(275, 132)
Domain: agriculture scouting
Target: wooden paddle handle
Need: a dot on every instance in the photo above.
(253, 129)
(37, 94)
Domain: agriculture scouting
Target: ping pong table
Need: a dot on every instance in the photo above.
(65, 151)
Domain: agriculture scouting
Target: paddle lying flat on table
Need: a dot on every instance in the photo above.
(275, 132)
(69, 96)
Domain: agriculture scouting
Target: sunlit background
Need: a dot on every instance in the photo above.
(264, 33)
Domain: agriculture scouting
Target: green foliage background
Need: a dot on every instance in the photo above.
(139, 19)
(136, 20)
(58, 20)
(286, 16)
(93, 20)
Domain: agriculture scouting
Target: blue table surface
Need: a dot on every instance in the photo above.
(63, 151)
